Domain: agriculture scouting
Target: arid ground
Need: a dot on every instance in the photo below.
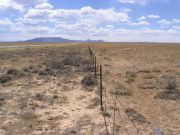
(51, 90)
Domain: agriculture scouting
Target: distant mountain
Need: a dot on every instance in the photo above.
(89, 40)
(50, 39)
(59, 39)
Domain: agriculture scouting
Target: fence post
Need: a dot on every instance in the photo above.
(95, 67)
(114, 115)
(91, 53)
(90, 50)
(93, 61)
(101, 87)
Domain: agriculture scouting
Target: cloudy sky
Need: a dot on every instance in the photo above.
(110, 20)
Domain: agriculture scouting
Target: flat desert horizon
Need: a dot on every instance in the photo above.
(52, 89)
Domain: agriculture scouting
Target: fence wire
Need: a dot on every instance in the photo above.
(105, 88)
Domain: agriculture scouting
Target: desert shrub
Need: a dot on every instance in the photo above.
(39, 96)
(170, 83)
(119, 92)
(170, 91)
(5, 78)
(69, 63)
(169, 94)
(33, 69)
(150, 85)
(26, 69)
(58, 68)
(1, 103)
(28, 114)
(148, 76)
(64, 71)
(1, 100)
(84, 121)
(44, 98)
(55, 96)
(130, 76)
(89, 81)
(23, 102)
(88, 68)
(46, 71)
(72, 131)
(55, 65)
(13, 72)
(86, 61)
(135, 116)
(94, 102)
(72, 60)
(120, 89)
(144, 71)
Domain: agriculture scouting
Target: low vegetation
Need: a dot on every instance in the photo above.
(5, 78)
(52, 90)
(170, 90)
(120, 89)
(89, 81)
(134, 116)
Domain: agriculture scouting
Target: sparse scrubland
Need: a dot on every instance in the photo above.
(52, 89)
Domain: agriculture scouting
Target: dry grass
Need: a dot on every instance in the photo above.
(170, 89)
(135, 116)
(43, 89)
(89, 82)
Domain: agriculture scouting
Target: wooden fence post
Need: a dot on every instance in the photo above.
(101, 87)
(93, 61)
(95, 67)
(114, 115)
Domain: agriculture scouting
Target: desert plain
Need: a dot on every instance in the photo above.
(51, 89)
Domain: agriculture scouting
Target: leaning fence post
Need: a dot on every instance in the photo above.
(91, 53)
(101, 87)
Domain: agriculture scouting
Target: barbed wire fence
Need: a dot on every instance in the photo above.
(116, 102)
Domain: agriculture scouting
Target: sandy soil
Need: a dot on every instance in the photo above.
(42, 92)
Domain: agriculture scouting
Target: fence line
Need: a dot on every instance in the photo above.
(119, 114)
(116, 100)
(114, 115)
(101, 87)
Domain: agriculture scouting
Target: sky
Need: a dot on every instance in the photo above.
(108, 20)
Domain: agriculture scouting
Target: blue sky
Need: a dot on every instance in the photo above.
(109, 20)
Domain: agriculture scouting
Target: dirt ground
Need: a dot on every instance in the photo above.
(52, 90)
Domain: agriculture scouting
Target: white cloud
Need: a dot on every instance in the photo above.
(176, 27)
(164, 22)
(30, 2)
(18, 5)
(126, 10)
(5, 25)
(176, 21)
(71, 22)
(167, 23)
(141, 23)
(43, 20)
(153, 16)
(85, 14)
(142, 18)
(127, 1)
(10, 5)
(44, 6)
(142, 2)
(5, 22)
